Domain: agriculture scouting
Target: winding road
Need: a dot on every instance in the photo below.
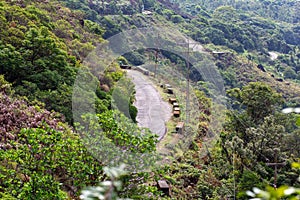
(153, 112)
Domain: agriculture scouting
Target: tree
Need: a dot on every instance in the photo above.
(254, 135)
(283, 192)
(148, 4)
(176, 18)
(289, 73)
(258, 100)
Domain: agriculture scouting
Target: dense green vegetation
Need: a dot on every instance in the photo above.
(43, 44)
(40, 155)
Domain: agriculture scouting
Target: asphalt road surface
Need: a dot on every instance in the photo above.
(153, 112)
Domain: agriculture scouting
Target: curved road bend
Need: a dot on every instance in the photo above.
(153, 112)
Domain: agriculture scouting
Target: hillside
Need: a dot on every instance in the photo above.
(58, 136)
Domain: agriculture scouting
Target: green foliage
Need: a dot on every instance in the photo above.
(168, 13)
(93, 27)
(243, 26)
(296, 165)
(39, 47)
(122, 60)
(176, 18)
(289, 73)
(247, 181)
(216, 36)
(135, 58)
(107, 189)
(123, 98)
(149, 4)
(5, 86)
(40, 62)
(258, 98)
(41, 186)
(45, 163)
(285, 11)
(42, 45)
(283, 192)
(133, 112)
(126, 134)
(275, 194)
(5, 196)
(111, 27)
(256, 135)
(298, 121)
(229, 76)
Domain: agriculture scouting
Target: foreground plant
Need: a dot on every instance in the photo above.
(107, 189)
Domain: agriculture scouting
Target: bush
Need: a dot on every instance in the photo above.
(135, 58)
(133, 112)
(176, 18)
(289, 73)
(45, 163)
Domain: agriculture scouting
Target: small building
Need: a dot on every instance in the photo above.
(172, 101)
(176, 113)
(170, 90)
(261, 67)
(167, 86)
(219, 52)
(125, 66)
(176, 109)
(175, 104)
(147, 12)
(180, 127)
(143, 70)
(164, 187)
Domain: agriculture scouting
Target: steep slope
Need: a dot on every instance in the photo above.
(43, 44)
(286, 11)
(40, 154)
